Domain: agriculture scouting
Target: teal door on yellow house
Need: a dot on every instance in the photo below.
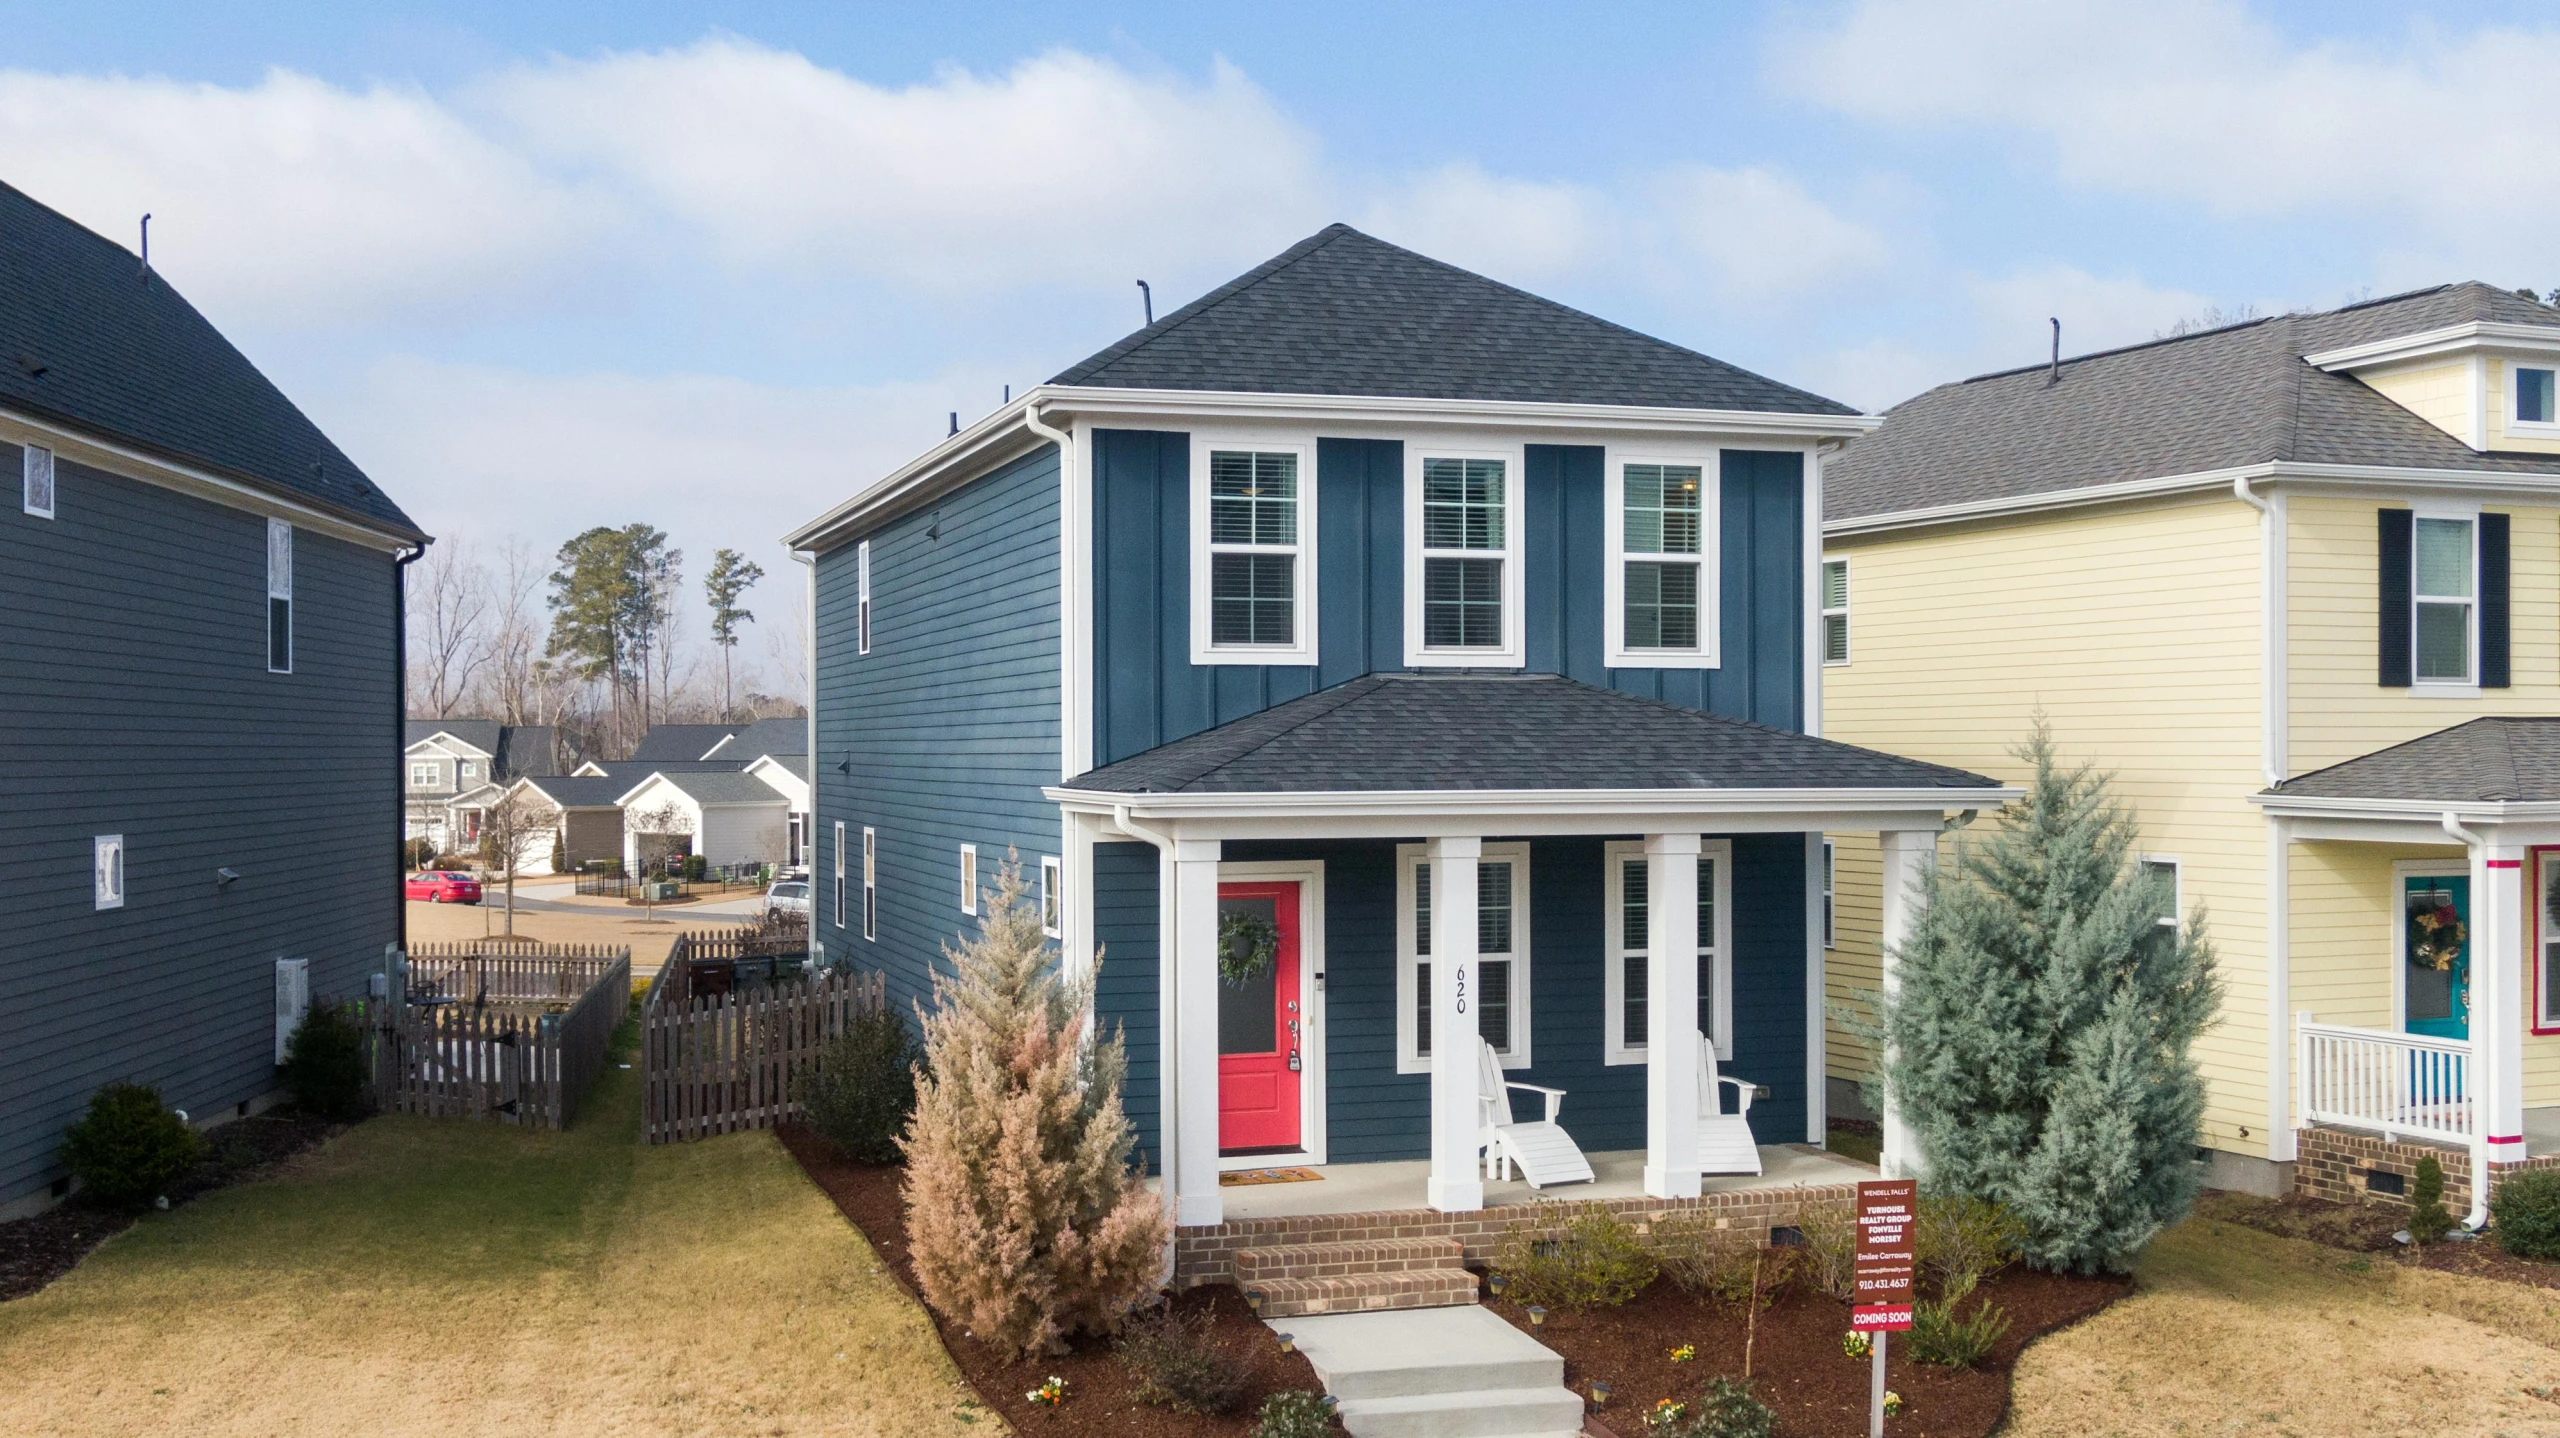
(2436, 955)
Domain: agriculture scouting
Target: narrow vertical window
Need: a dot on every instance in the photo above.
(2536, 402)
(1627, 999)
(839, 874)
(1830, 927)
(1254, 571)
(2163, 877)
(35, 478)
(2444, 592)
(1053, 898)
(968, 878)
(279, 597)
(1663, 521)
(1501, 996)
(862, 597)
(870, 885)
(1466, 544)
(108, 870)
(1835, 611)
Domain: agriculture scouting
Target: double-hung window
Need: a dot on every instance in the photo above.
(1627, 996)
(279, 597)
(422, 775)
(35, 481)
(2446, 591)
(1835, 611)
(1053, 898)
(2162, 875)
(1252, 553)
(1661, 580)
(2534, 398)
(969, 878)
(870, 885)
(1499, 1002)
(1462, 572)
(862, 597)
(1830, 895)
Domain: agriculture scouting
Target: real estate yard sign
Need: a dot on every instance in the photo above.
(1887, 1211)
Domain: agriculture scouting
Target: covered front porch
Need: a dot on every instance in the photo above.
(1619, 1174)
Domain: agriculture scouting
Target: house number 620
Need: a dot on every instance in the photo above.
(1460, 976)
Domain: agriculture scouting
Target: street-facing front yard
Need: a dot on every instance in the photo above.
(427, 1277)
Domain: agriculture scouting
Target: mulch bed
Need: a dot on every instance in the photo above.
(2369, 1228)
(1100, 1397)
(36, 1251)
(1797, 1365)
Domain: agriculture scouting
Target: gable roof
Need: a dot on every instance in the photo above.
(2486, 761)
(91, 340)
(1343, 313)
(765, 736)
(1392, 733)
(681, 741)
(480, 734)
(2215, 400)
(717, 786)
(579, 792)
(514, 750)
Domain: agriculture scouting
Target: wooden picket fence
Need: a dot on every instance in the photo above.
(493, 1036)
(716, 1058)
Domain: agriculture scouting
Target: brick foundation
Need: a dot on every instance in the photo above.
(1206, 1253)
(2332, 1163)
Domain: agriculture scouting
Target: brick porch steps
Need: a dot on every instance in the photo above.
(1342, 1260)
(1366, 1292)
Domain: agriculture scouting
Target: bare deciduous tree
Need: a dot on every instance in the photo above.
(665, 822)
(448, 629)
(510, 832)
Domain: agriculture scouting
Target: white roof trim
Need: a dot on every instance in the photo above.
(2427, 813)
(1543, 811)
(2517, 482)
(468, 749)
(2452, 339)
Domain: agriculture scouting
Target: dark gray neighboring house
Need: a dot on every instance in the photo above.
(200, 675)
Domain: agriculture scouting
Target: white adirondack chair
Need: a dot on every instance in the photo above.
(1725, 1144)
(1542, 1151)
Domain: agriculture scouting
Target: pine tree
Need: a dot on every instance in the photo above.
(2041, 1030)
(1025, 1220)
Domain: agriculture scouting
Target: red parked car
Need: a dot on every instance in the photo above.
(444, 887)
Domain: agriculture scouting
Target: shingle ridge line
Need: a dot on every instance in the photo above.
(1198, 308)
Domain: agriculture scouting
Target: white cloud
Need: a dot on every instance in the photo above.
(1516, 230)
(289, 201)
(1758, 234)
(2012, 313)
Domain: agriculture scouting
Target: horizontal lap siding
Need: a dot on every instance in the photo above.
(2137, 632)
(1126, 1000)
(949, 726)
(134, 699)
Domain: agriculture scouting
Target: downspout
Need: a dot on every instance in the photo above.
(2478, 1218)
(400, 725)
(1074, 757)
(2274, 766)
(809, 825)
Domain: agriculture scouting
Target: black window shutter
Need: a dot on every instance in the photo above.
(2493, 601)
(2394, 583)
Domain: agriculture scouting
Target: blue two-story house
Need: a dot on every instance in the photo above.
(1440, 653)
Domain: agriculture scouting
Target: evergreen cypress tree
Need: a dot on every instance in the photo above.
(2041, 1030)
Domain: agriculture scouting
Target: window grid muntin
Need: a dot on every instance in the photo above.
(1835, 611)
(1629, 1009)
(1500, 1015)
(1465, 552)
(1255, 527)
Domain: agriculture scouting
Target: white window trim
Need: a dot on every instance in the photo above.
(1511, 653)
(32, 458)
(969, 879)
(279, 587)
(870, 883)
(2465, 688)
(1614, 576)
(2546, 933)
(1408, 858)
(107, 870)
(1615, 1048)
(426, 774)
(1053, 897)
(862, 597)
(1829, 613)
(2177, 887)
(1202, 650)
(839, 873)
(2530, 428)
(1830, 894)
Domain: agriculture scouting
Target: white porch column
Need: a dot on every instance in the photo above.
(1907, 853)
(2497, 995)
(1457, 1180)
(1671, 1016)
(1188, 1054)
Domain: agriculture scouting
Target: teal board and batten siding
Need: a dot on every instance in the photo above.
(946, 731)
(1148, 692)
(1375, 1113)
(135, 700)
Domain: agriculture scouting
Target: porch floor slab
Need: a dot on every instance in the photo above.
(1380, 1187)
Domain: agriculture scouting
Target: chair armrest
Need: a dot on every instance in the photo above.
(1555, 1096)
(1742, 1091)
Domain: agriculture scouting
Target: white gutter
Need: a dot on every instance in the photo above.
(2478, 1218)
(2448, 340)
(2542, 484)
(2422, 811)
(1429, 803)
(1072, 637)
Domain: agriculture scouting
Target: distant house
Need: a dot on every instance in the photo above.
(739, 792)
(200, 697)
(585, 816)
(453, 770)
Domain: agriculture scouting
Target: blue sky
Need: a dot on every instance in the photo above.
(538, 266)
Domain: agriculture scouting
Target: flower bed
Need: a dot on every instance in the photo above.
(1798, 1367)
(2369, 1228)
(1098, 1395)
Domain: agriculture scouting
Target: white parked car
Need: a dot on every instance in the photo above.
(790, 896)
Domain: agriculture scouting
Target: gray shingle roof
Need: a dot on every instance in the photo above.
(765, 736)
(91, 340)
(1405, 732)
(1343, 313)
(681, 741)
(582, 793)
(515, 750)
(2487, 761)
(723, 786)
(2215, 400)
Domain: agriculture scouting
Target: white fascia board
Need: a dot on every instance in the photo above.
(1438, 812)
(635, 790)
(2429, 814)
(2345, 476)
(453, 747)
(1002, 435)
(2452, 339)
(143, 467)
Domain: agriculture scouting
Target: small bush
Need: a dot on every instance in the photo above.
(1939, 1336)
(1293, 1413)
(1589, 1259)
(453, 860)
(421, 851)
(1702, 1258)
(2428, 1221)
(129, 1148)
(1724, 1408)
(1174, 1364)
(2525, 1212)
(1830, 1251)
(325, 1066)
(865, 1087)
(1964, 1240)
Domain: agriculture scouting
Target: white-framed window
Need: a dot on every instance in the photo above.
(1660, 584)
(2163, 870)
(422, 774)
(2545, 897)
(1835, 611)
(839, 873)
(862, 597)
(107, 870)
(969, 878)
(1629, 915)
(279, 597)
(1053, 897)
(1502, 954)
(870, 885)
(1253, 547)
(1830, 904)
(462, 773)
(35, 481)
(1463, 588)
(2445, 588)
(2533, 398)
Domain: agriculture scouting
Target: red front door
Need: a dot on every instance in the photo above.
(1261, 1024)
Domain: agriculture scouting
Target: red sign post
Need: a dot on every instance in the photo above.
(1887, 1253)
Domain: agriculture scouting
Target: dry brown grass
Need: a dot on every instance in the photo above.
(606, 922)
(433, 1278)
(2240, 1331)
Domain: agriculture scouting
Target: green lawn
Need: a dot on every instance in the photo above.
(437, 1277)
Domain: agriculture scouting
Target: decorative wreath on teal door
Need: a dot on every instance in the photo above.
(1248, 947)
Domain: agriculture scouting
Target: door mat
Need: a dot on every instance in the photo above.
(1244, 1177)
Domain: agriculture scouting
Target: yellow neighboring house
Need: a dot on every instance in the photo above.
(2297, 583)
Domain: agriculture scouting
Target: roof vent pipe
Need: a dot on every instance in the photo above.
(2053, 376)
(1148, 297)
(145, 271)
(955, 421)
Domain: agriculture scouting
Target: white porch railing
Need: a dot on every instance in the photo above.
(2394, 1084)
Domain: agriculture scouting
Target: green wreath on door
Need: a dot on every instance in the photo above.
(1248, 947)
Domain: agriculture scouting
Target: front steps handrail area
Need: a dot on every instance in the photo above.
(2399, 1085)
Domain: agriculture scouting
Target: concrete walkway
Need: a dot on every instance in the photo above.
(1437, 1373)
